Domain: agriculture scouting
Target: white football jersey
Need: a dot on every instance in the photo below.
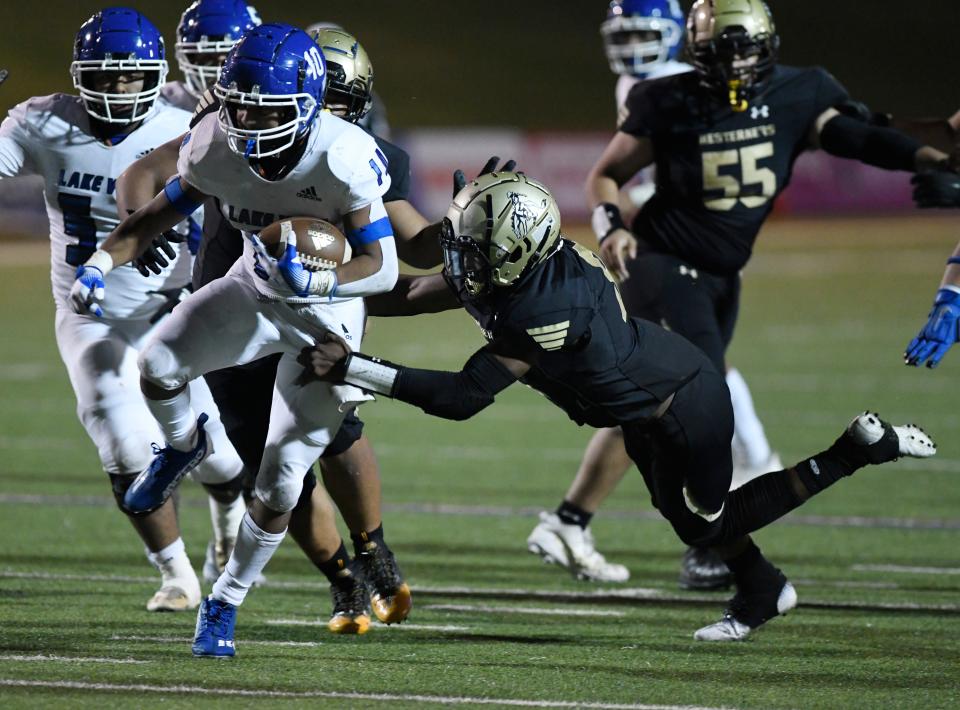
(342, 170)
(50, 136)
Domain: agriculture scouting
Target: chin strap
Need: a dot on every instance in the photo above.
(737, 102)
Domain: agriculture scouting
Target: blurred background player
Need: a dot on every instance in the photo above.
(80, 145)
(643, 41)
(726, 135)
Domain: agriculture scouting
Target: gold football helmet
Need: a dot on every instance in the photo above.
(733, 46)
(499, 227)
(349, 73)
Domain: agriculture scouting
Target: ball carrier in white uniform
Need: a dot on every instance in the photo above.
(267, 153)
(80, 145)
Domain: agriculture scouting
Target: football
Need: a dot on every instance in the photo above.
(320, 244)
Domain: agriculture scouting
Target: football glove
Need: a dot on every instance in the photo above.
(862, 112)
(936, 188)
(938, 334)
(460, 180)
(88, 290)
(301, 281)
(159, 254)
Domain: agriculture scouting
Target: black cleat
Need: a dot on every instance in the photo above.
(351, 609)
(749, 610)
(703, 570)
(389, 593)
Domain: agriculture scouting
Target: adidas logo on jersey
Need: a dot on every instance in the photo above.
(550, 337)
(310, 193)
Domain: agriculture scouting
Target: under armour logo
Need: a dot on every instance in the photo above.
(759, 111)
(687, 271)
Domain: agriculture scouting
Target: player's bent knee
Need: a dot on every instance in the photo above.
(159, 368)
(309, 483)
(226, 492)
(120, 483)
(281, 495)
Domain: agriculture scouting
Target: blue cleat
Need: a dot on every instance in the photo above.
(214, 634)
(151, 488)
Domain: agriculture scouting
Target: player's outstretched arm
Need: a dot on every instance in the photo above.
(413, 295)
(131, 237)
(450, 395)
(942, 328)
(137, 186)
(418, 241)
(874, 145)
(624, 157)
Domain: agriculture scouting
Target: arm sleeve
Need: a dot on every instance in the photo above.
(829, 93)
(398, 167)
(15, 157)
(881, 147)
(385, 277)
(455, 395)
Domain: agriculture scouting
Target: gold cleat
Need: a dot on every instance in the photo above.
(350, 612)
(393, 609)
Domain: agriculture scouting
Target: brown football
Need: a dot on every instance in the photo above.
(320, 244)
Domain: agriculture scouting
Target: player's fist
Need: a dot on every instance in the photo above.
(460, 180)
(616, 249)
(301, 280)
(88, 291)
(327, 359)
(936, 188)
(940, 332)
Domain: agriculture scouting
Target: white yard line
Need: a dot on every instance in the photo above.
(382, 697)
(187, 641)
(41, 658)
(906, 569)
(537, 611)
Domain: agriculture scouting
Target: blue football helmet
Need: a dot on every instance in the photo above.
(121, 40)
(208, 30)
(638, 35)
(274, 66)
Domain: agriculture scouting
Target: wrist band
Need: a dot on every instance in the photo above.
(605, 219)
(100, 260)
(371, 374)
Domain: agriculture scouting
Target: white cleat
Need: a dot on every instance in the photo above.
(176, 595)
(572, 547)
(890, 442)
(746, 615)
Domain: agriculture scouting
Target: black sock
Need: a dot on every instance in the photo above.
(361, 540)
(826, 468)
(338, 568)
(751, 570)
(573, 514)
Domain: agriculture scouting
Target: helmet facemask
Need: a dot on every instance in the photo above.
(635, 45)
(466, 269)
(354, 95)
(200, 62)
(115, 107)
(735, 64)
(297, 112)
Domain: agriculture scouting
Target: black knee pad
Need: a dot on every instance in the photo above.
(349, 432)
(226, 491)
(120, 483)
(309, 483)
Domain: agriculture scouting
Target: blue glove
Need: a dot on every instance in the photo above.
(301, 281)
(88, 292)
(940, 332)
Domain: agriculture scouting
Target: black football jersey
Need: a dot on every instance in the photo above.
(718, 171)
(222, 244)
(601, 367)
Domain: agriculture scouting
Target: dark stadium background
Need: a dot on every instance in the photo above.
(534, 64)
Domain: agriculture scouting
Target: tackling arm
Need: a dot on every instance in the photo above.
(450, 395)
(418, 241)
(413, 295)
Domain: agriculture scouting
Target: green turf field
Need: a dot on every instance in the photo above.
(827, 310)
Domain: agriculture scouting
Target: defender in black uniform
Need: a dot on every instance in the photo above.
(724, 139)
(553, 319)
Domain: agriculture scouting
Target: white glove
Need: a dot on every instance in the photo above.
(88, 290)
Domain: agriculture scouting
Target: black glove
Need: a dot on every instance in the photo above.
(861, 112)
(936, 188)
(460, 180)
(153, 258)
(3, 75)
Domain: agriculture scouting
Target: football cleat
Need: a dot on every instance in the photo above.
(703, 570)
(572, 547)
(214, 634)
(389, 595)
(351, 613)
(747, 612)
(176, 595)
(151, 488)
(884, 442)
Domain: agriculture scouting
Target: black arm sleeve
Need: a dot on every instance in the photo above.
(454, 395)
(882, 147)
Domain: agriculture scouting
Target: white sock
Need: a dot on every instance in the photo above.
(176, 418)
(172, 561)
(748, 432)
(253, 550)
(226, 518)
